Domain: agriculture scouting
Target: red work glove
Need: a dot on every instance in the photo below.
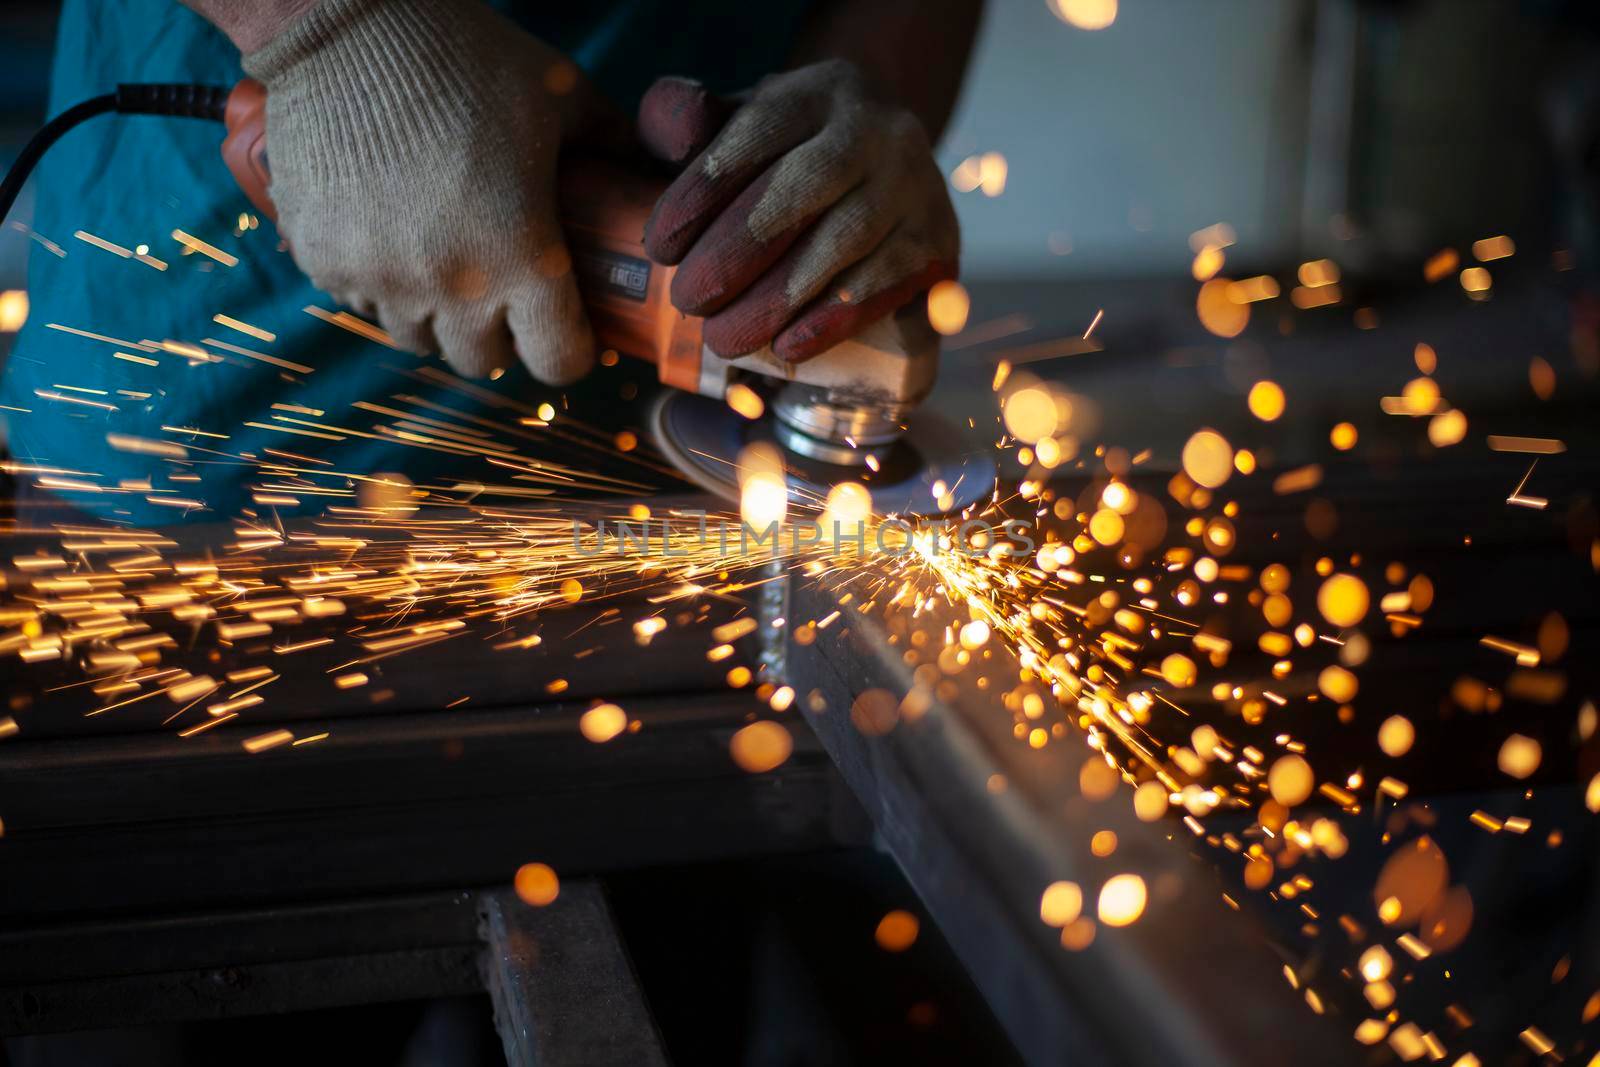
(811, 211)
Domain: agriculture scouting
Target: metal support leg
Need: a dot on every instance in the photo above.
(564, 992)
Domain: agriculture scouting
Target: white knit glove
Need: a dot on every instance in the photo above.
(815, 209)
(413, 145)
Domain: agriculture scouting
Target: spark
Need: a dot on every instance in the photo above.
(1518, 499)
(1543, 446)
(244, 327)
(192, 243)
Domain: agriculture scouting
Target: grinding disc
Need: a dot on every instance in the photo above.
(703, 438)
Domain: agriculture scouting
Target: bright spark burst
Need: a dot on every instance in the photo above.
(1099, 633)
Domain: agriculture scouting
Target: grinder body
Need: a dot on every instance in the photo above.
(841, 406)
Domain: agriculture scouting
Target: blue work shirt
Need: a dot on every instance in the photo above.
(123, 341)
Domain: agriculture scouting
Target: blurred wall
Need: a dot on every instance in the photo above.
(1373, 131)
(1123, 141)
(1453, 116)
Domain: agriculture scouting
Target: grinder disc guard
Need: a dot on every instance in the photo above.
(703, 438)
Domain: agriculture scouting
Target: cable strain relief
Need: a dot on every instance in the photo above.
(173, 98)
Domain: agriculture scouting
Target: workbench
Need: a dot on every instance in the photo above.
(372, 861)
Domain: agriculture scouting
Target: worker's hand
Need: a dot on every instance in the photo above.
(814, 210)
(413, 148)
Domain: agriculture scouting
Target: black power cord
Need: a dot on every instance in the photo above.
(152, 98)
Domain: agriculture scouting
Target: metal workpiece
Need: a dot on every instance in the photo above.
(772, 615)
(981, 824)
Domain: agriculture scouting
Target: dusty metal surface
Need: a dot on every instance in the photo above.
(1190, 983)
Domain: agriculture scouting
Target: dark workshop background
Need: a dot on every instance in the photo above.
(1362, 130)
